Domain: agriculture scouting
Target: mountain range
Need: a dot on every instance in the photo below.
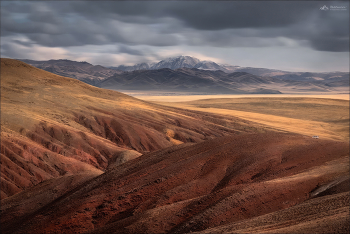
(83, 71)
(190, 75)
(189, 80)
(191, 62)
(193, 80)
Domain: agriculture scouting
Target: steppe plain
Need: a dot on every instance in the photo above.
(323, 115)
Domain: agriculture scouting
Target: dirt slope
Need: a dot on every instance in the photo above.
(193, 187)
(42, 194)
(53, 126)
(328, 214)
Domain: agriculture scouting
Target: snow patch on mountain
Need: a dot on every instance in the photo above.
(177, 62)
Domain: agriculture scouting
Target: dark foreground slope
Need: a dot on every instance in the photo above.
(329, 214)
(193, 187)
(53, 126)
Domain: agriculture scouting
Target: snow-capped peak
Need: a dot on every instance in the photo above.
(177, 62)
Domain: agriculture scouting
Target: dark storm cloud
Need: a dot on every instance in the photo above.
(330, 44)
(10, 50)
(230, 14)
(134, 8)
(203, 15)
(23, 43)
(128, 50)
(208, 23)
(55, 24)
(331, 32)
(324, 30)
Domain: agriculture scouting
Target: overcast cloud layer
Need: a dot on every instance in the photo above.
(295, 36)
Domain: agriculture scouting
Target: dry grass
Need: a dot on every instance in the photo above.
(328, 118)
(186, 98)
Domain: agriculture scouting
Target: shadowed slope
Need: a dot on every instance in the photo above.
(42, 194)
(328, 214)
(194, 187)
(53, 126)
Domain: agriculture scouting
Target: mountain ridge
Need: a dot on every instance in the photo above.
(270, 80)
(193, 80)
(83, 71)
(175, 63)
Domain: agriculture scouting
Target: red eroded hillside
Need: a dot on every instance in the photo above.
(53, 126)
(193, 187)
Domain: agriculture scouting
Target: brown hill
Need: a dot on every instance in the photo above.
(82, 71)
(328, 214)
(193, 187)
(53, 126)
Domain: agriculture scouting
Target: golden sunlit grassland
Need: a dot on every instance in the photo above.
(324, 115)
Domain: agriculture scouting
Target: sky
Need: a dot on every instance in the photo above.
(285, 35)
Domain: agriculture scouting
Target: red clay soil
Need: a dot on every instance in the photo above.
(53, 126)
(41, 194)
(192, 187)
(329, 214)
